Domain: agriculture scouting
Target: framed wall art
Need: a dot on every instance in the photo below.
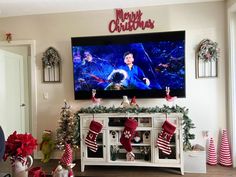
(207, 55)
(51, 65)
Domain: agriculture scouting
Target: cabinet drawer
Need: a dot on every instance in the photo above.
(158, 122)
(86, 122)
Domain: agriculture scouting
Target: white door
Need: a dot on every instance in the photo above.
(12, 93)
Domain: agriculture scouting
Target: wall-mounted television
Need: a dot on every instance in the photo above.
(140, 65)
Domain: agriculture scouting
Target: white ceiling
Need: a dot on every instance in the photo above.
(30, 7)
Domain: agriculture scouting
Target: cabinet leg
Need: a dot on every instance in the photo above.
(182, 170)
(82, 168)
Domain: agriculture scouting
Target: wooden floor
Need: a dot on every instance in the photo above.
(108, 171)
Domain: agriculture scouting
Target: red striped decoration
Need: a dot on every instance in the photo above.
(66, 158)
(225, 156)
(211, 158)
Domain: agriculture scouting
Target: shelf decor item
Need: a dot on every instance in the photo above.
(95, 101)
(51, 65)
(146, 152)
(19, 148)
(125, 102)
(225, 155)
(130, 156)
(146, 137)
(211, 158)
(114, 152)
(133, 102)
(207, 56)
(114, 136)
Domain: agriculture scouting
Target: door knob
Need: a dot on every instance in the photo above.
(23, 105)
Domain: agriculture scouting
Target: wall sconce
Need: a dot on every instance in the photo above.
(207, 56)
(51, 65)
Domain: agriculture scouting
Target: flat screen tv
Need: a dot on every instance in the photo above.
(140, 65)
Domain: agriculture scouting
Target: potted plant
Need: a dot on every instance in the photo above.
(114, 151)
(19, 147)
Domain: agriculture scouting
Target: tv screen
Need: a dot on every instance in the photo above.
(140, 65)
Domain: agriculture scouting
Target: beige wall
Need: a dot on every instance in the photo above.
(205, 98)
(230, 2)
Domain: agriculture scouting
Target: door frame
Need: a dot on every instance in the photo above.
(31, 44)
(231, 15)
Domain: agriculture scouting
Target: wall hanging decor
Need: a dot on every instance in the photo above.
(8, 36)
(129, 21)
(51, 65)
(207, 55)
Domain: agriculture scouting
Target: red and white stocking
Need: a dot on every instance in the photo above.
(128, 133)
(94, 130)
(163, 140)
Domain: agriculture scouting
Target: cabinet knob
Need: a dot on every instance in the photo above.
(23, 105)
(104, 146)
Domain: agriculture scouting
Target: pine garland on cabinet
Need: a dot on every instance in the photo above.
(187, 122)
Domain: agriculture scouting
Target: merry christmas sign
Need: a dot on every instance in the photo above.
(129, 21)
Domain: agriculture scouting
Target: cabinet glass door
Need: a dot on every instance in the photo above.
(173, 156)
(100, 153)
(141, 146)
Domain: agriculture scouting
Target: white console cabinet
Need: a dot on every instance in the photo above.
(145, 150)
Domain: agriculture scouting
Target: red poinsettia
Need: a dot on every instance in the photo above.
(20, 145)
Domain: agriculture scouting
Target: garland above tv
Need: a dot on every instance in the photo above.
(140, 65)
(187, 122)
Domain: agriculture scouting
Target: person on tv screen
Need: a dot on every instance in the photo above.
(136, 78)
(91, 73)
(116, 79)
(77, 59)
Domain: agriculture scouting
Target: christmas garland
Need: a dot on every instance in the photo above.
(208, 50)
(187, 122)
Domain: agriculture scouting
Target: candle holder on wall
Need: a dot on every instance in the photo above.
(207, 56)
(51, 65)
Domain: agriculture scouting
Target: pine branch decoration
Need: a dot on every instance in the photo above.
(187, 122)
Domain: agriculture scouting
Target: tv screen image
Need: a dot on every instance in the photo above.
(140, 65)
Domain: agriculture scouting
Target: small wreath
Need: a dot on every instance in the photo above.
(208, 50)
(51, 57)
